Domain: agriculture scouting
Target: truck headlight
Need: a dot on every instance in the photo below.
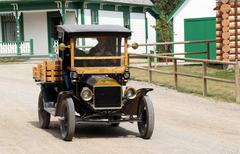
(126, 75)
(86, 94)
(130, 93)
(73, 75)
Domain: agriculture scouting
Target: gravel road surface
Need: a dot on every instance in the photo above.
(184, 124)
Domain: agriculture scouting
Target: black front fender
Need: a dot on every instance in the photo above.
(62, 95)
(131, 106)
(143, 92)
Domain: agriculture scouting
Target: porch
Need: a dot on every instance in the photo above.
(29, 27)
(15, 48)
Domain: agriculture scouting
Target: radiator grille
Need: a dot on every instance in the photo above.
(108, 97)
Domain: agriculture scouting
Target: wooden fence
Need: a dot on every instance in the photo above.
(175, 74)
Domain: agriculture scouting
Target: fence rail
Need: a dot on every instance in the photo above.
(175, 73)
(16, 48)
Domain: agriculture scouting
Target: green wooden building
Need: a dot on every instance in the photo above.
(27, 27)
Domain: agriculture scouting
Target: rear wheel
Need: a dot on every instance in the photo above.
(146, 115)
(43, 116)
(67, 122)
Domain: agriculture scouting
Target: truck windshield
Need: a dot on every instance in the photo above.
(98, 52)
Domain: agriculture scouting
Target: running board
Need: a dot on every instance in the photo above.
(106, 121)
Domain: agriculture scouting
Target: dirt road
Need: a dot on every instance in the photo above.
(184, 124)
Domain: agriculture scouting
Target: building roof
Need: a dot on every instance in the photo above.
(93, 30)
(177, 8)
(135, 2)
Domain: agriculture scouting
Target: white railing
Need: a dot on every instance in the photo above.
(16, 48)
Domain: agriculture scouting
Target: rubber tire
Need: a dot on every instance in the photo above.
(146, 131)
(43, 116)
(67, 127)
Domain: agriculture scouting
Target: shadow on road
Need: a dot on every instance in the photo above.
(90, 130)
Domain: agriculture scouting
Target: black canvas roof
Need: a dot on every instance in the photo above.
(94, 30)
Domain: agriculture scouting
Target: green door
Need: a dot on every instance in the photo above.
(200, 29)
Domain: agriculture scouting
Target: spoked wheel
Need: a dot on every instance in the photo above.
(146, 115)
(67, 122)
(43, 116)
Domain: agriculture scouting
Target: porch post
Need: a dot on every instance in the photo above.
(63, 11)
(63, 7)
(17, 15)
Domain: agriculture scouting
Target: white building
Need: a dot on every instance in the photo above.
(35, 20)
(194, 20)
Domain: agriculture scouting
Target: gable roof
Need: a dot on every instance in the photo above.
(177, 8)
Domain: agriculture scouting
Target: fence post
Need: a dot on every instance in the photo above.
(237, 82)
(155, 58)
(31, 46)
(208, 50)
(204, 79)
(175, 73)
(149, 70)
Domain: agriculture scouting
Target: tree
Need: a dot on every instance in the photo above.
(163, 27)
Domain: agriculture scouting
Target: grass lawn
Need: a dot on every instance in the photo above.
(216, 90)
(8, 60)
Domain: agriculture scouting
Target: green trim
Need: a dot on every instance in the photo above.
(83, 22)
(82, 16)
(94, 12)
(40, 5)
(126, 19)
(154, 12)
(89, 1)
(63, 12)
(123, 8)
(74, 5)
(21, 27)
(37, 6)
(49, 16)
(94, 17)
(93, 6)
(108, 7)
(157, 39)
(177, 8)
(146, 31)
(18, 37)
(199, 19)
(2, 28)
(137, 9)
(31, 46)
(76, 17)
(118, 3)
(172, 37)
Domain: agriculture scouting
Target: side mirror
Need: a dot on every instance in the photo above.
(62, 46)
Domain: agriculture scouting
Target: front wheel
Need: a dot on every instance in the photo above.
(146, 116)
(67, 122)
(43, 116)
